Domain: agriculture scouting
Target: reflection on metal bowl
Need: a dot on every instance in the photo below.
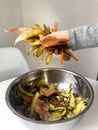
(51, 75)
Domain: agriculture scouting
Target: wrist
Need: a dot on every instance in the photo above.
(65, 37)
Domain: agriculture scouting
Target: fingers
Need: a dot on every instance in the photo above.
(49, 41)
(55, 38)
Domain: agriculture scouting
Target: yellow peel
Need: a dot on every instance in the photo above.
(48, 58)
(27, 34)
(34, 42)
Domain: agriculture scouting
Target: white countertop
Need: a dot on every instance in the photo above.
(8, 121)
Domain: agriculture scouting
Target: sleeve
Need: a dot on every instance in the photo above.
(84, 37)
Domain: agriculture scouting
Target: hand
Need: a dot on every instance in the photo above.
(55, 38)
(59, 38)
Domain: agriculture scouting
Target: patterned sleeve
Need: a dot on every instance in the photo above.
(84, 37)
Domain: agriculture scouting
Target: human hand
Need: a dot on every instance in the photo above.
(59, 38)
(55, 38)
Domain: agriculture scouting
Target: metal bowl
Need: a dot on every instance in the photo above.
(51, 75)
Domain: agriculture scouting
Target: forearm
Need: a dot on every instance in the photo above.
(83, 37)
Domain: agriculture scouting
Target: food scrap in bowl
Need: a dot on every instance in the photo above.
(43, 101)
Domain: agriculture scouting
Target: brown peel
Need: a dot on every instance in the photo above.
(17, 30)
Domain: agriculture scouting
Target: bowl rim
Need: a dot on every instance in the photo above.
(41, 121)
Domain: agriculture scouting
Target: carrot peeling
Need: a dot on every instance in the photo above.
(71, 54)
(61, 57)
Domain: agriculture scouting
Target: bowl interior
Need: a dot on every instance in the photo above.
(80, 86)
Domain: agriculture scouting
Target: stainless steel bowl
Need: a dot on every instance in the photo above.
(51, 75)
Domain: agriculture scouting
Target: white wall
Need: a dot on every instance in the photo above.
(10, 17)
(87, 63)
(68, 14)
